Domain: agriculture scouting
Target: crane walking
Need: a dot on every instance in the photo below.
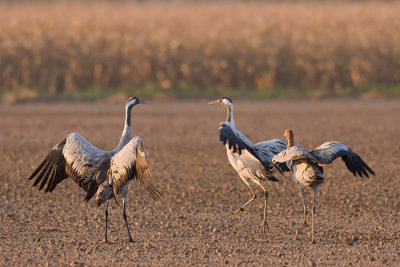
(253, 162)
(105, 174)
(307, 167)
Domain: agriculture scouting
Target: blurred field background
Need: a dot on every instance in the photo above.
(111, 49)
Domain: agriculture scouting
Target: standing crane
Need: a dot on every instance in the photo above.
(105, 174)
(253, 162)
(307, 167)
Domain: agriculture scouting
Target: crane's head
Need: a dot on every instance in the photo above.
(134, 101)
(225, 101)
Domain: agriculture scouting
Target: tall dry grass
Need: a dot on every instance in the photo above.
(58, 47)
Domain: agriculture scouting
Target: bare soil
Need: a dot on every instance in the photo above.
(357, 219)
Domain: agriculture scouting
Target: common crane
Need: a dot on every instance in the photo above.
(253, 162)
(307, 167)
(102, 173)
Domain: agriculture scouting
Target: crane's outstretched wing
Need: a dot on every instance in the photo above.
(74, 157)
(329, 151)
(293, 153)
(238, 143)
(130, 163)
(268, 149)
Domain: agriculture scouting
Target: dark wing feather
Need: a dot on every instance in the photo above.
(130, 164)
(143, 173)
(226, 135)
(74, 157)
(329, 151)
(54, 161)
(268, 149)
(239, 143)
(282, 167)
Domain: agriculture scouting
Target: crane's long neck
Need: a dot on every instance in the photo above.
(229, 114)
(127, 132)
(290, 139)
(128, 116)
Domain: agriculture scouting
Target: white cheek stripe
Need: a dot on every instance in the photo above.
(133, 101)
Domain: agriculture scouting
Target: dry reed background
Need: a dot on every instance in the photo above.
(58, 47)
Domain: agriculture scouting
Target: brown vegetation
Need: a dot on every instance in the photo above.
(57, 47)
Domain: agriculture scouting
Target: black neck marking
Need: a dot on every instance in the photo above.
(128, 115)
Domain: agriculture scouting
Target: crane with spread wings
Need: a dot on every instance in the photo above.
(307, 166)
(105, 174)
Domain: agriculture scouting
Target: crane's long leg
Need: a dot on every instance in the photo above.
(248, 202)
(265, 208)
(304, 224)
(313, 212)
(105, 234)
(126, 221)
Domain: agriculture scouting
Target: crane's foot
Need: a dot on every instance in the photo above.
(313, 241)
(106, 241)
(241, 209)
(263, 226)
(131, 240)
(304, 225)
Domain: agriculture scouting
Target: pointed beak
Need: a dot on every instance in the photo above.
(142, 101)
(214, 102)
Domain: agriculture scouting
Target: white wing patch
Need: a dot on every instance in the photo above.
(329, 151)
(82, 156)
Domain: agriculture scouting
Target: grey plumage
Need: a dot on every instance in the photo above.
(307, 167)
(329, 151)
(263, 151)
(326, 154)
(253, 162)
(125, 165)
(102, 173)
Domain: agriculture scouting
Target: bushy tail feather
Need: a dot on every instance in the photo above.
(104, 193)
(115, 193)
(92, 188)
